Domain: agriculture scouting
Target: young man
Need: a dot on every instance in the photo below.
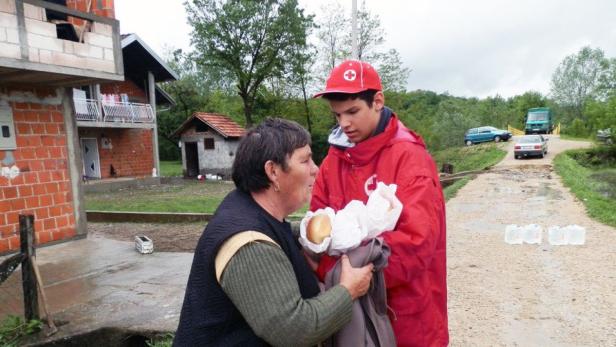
(371, 145)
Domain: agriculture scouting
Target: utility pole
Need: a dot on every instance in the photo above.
(354, 30)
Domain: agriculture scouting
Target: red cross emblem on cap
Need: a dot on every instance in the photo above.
(350, 75)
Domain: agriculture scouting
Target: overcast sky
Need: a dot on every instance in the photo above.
(467, 48)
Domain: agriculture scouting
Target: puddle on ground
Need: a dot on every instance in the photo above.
(526, 172)
(545, 190)
(606, 183)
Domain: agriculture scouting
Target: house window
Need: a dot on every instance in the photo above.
(208, 143)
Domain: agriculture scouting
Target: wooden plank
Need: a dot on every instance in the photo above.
(26, 233)
(9, 265)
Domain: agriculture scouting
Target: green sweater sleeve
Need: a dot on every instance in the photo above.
(260, 281)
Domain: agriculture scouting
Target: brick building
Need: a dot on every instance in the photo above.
(48, 52)
(117, 121)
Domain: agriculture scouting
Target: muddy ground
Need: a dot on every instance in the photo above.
(167, 237)
(527, 295)
(500, 294)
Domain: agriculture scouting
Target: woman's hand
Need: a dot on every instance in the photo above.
(355, 280)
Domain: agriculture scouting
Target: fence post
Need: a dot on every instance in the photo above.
(26, 233)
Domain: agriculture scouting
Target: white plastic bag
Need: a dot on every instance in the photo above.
(383, 210)
(356, 222)
(303, 240)
(349, 228)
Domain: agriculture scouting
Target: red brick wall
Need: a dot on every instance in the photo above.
(43, 186)
(131, 153)
(135, 94)
(106, 10)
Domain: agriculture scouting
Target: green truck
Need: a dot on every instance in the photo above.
(539, 121)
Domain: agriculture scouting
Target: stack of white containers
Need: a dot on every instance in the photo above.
(569, 235)
(557, 236)
(516, 235)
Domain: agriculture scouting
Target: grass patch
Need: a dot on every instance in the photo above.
(190, 196)
(205, 196)
(452, 190)
(593, 186)
(162, 341)
(471, 158)
(600, 157)
(170, 168)
(14, 328)
(576, 138)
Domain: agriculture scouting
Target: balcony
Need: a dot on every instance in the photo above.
(36, 49)
(113, 114)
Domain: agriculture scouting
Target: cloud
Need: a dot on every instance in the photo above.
(468, 48)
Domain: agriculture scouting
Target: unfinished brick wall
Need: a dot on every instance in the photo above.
(135, 93)
(96, 52)
(103, 8)
(42, 187)
(130, 153)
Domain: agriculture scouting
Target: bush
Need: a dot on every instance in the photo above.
(597, 157)
(577, 128)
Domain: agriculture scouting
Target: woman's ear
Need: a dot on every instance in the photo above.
(272, 172)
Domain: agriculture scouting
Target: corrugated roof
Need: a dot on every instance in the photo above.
(222, 124)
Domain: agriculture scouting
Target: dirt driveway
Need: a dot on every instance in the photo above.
(527, 295)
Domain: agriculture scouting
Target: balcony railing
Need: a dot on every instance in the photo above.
(90, 110)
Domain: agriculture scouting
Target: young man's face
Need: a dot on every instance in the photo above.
(356, 118)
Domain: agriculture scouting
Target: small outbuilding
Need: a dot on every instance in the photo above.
(209, 142)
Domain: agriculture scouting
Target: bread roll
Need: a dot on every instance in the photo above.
(319, 227)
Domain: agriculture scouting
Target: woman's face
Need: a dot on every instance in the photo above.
(296, 182)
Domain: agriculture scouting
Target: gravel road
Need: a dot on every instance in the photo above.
(527, 295)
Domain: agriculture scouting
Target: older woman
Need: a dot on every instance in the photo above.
(250, 284)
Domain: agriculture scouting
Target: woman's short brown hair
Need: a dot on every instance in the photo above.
(273, 139)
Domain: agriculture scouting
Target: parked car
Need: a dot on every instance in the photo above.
(485, 134)
(530, 145)
(605, 136)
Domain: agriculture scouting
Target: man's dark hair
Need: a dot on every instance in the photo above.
(273, 139)
(366, 95)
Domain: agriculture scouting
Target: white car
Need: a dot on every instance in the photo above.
(530, 145)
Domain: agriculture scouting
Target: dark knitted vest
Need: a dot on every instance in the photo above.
(208, 316)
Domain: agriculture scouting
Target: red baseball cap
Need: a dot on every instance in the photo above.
(351, 76)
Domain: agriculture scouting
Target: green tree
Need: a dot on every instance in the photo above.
(251, 40)
(302, 78)
(370, 35)
(189, 94)
(520, 104)
(602, 115)
(329, 37)
(336, 47)
(579, 78)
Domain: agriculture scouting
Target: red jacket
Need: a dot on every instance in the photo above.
(416, 274)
